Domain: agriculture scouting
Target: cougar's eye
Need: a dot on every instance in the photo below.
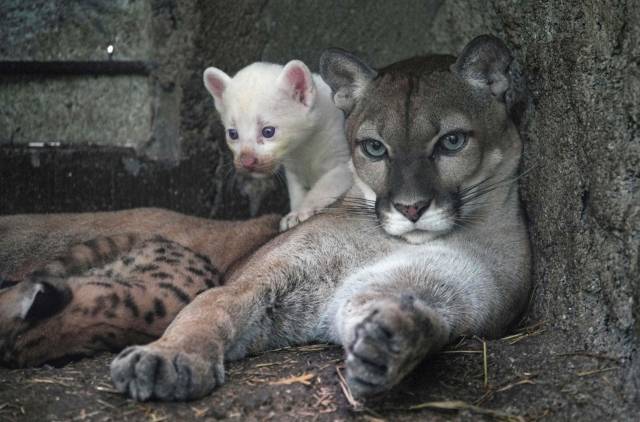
(453, 142)
(233, 134)
(268, 131)
(373, 149)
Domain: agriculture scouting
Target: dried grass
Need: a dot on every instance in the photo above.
(355, 405)
(595, 371)
(299, 379)
(49, 381)
(457, 405)
(485, 364)
(525, 332)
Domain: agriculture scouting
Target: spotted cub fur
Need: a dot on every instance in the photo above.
(113, 291)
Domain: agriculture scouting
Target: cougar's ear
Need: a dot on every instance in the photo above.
(484, 63)
(347, 76)
(296, 81)
(216, 82)
(39, 300)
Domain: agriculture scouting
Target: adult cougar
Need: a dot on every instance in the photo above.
(429, 244)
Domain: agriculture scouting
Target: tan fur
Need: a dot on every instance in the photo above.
(112, 290)
(30, 241)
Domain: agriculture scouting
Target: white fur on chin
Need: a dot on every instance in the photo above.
(432, 224)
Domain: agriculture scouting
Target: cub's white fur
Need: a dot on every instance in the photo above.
(307, 131)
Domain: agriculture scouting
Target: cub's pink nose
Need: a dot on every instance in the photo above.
(414, 211)
(249, 161)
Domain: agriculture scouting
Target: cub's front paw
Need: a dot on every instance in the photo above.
(296, 217)
(386, 345)
(151, 372)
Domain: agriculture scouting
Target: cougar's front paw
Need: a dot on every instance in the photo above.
(296, 217)
(386, 345)
(148, 372)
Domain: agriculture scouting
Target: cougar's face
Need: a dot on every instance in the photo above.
(424, 143)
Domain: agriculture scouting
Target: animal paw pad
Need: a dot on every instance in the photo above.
(144, 373)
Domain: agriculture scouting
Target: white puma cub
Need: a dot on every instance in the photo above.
(284, 115)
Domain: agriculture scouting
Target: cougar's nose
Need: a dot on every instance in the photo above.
(414, 211)
(249, 161)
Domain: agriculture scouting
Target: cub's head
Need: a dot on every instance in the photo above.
(266, 111)
(430, 136)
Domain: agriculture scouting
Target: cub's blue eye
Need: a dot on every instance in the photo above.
(268, 131)
(233, 134)
(453, 142)
(373, 149)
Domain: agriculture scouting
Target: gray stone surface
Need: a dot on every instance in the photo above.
(74, 29)
(108, 110)
(137, 112)
(379, 31)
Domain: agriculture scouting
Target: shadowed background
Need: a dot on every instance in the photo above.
(137, 128)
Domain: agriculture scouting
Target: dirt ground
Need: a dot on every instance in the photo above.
(527, 376)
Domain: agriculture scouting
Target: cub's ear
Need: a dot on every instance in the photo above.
(347, 76)
(484, 63)
(216, 82)
(39, 300)
(297, 82)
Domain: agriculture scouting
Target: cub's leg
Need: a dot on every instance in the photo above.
(129, 300)
(323, 193)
